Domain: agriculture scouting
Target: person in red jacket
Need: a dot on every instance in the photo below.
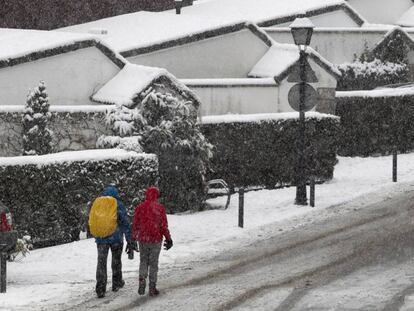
(149, 226)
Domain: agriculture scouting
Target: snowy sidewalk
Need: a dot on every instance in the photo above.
(62, 274)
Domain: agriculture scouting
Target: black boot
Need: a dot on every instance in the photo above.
(117, 287)
(153, 291)
(141, 286)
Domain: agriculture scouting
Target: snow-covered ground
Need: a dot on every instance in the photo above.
(57, 274)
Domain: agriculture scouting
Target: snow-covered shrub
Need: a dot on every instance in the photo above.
(37, 137)
(23, 247)
(131, 143)
(395, 48)
(367, 75)
(49, 200)
(375, 125)
(166, 125)
(264, 153)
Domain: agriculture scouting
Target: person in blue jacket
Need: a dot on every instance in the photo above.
(115, 243)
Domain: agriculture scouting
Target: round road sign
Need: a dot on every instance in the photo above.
(310, 98)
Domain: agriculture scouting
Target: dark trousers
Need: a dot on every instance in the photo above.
(148, 255)
(116, 264)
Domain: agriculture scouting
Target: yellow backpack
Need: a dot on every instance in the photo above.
(103, 217)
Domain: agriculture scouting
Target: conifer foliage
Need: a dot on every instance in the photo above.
(37, 137)
(166, 125)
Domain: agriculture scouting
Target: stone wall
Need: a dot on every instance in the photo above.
(72, 130)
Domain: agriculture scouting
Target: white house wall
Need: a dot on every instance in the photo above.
(71, 78)
(337, 18)
(325, 81)
(381, 11)
(237, 99)
(336, 45)
(227, 56)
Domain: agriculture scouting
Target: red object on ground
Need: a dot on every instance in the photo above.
(150, 220)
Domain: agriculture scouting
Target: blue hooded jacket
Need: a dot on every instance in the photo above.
(123, 221)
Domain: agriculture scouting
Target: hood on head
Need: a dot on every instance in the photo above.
(152, 194)
(111, 191)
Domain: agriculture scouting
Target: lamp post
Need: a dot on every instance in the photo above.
(178, 6)
(302, 29)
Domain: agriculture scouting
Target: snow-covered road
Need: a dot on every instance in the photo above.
(300, 269)
(62, 277)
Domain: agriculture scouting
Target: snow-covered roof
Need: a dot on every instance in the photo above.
(276, 60)
(281, 58)
(407, 19)
(203, 35)
(131, 81)
(142, 29)
(20, 46)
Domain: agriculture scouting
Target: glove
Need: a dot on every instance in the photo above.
(131, 246)
(168, 244)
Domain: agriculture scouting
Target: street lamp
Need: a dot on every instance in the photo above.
(178, 6)
(302, 29)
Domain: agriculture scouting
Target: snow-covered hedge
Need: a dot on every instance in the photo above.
(372, 125)
(49, 195)
(260, 150)
(367, 75)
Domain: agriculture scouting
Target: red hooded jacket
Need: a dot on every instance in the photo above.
(150, 220)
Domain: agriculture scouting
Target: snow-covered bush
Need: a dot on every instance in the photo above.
(37, 137)
(369, 74)
(23, 247)
(264, 153)
(49, 195)
(375, 125)
(395, 48)
(166, 125)
(386, 64)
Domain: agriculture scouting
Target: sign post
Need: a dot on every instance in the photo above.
(302, 97)
(394, 166)
(241, 207)
(3, 272)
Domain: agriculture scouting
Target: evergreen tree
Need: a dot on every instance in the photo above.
(166, 125)
(395, 50)
(36, 136)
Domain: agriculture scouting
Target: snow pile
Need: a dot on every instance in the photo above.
(261, 117)
(73, 156)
